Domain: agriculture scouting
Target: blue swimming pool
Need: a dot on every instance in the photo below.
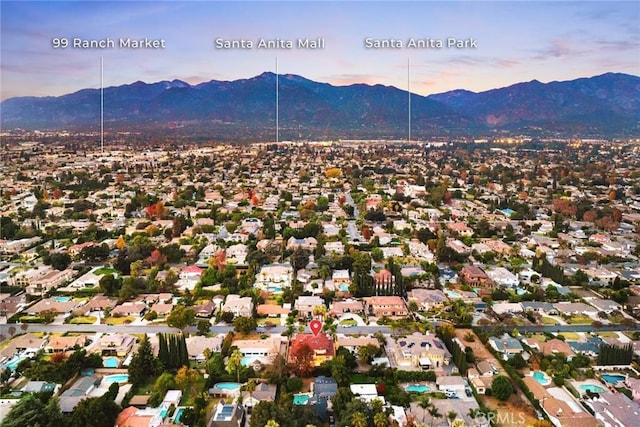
(178, 415)
(300, 399)
(116, 378)
(228, 386)
(613, 378)
(14, 362)
(62, 299)
(418, 388)
(110, 362)
(592, 388)
(541, 377)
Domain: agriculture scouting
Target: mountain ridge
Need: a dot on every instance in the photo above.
(607, 104)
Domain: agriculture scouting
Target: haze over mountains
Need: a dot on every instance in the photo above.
(607, 105)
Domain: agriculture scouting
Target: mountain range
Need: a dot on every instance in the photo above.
(607, 105)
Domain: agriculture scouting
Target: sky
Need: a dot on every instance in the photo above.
(515, 41)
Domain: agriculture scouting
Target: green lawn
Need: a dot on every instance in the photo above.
(608, 334)
(104, 271)
(570, 336)
(119, 320)
(549, 321)
(580, 320)
(83, 320)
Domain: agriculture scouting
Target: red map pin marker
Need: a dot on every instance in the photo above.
(315, 326)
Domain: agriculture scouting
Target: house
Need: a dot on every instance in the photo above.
(503, 277)
(197, 344)
(334, 248)
(539, 307)
(572, 308)
(338, 308)
(502, 308)
(308, 244)
(506, 346)
(389, 306)
(239, 306)
(78, 391)
(615, 409)
(427, 299)
(264, 392)
(28, 343)
(227, 415)
(237, 254)
(272, 310)
(115, 344)
(418, 351)
(321, 345)
(475, 276)
(353, 344)
(129, 308)
(205, 310)
(606, 305)
(305, 305)
(54, 305)
(556, 346)
(59, 344)
(263, 350)
(98, 303)
(274, 277)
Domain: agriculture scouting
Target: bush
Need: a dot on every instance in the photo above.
(294, 384)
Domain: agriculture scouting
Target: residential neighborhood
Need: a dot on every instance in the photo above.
(456, 283)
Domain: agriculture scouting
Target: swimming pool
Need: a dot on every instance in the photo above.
(592, 388)
(228, 386)
(178, 415)
(300, 399)
(507, 211)
(62, 299)
(453, 294)
(613, 378)
(541, 377)
(344, 288)
(418, 388)
(110, 362)
(248, 360)
(13, 363)
(116, 378)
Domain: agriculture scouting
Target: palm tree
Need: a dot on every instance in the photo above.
(358, 420)
(424, 403)
(451, 415)
(234, 363)
(250, 387)
(380, 420)
(272, 423)
(433, 411)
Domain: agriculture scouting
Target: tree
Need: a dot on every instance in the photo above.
(203, 326)
(302, 358)
(250, 387)
(380, 419)
(424, 403)
(143, 364)
(501, 387)
(267, 412)
(95, 412)
(319, 311)
(187, 379)
(181, 317)
(451, 416)
(29, 411)
(358, 419)
(434, 413)
(234, 364)
(368, 352)
(60, 261)
(244, 325)
(278, 371)
(340, 371)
